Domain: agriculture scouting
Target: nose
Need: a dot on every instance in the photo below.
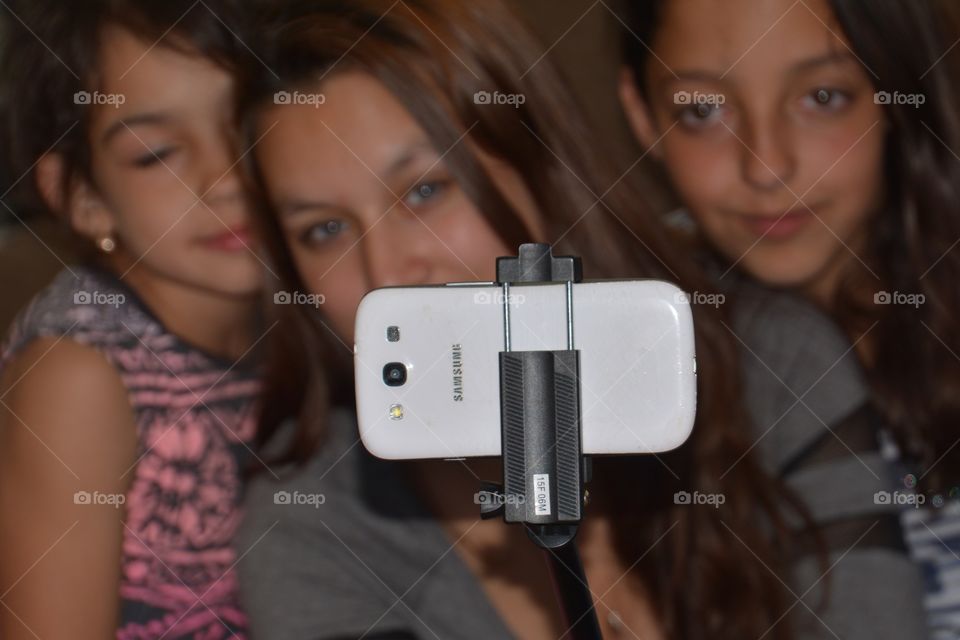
(222, 178)
(396, 253)
(768, 161)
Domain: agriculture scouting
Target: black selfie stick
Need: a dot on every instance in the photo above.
(544, 468)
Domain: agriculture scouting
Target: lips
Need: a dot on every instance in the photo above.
(780, 226)
(235, 239)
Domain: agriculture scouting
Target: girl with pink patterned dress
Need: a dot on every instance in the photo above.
(128, 387)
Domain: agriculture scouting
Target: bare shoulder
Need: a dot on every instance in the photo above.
(67, 399)
(67, 438)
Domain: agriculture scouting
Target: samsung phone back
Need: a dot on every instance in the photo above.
(427, 376)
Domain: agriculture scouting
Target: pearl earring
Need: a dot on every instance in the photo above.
(107, 244)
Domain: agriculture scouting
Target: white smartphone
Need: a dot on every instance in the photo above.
(427, 363)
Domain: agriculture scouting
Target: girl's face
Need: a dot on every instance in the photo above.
(768, 127)
(366, 201)
(167, 186)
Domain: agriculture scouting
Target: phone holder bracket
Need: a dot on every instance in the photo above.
(544, 469)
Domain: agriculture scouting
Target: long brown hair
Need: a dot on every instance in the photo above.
(436, 57)
(914, 352)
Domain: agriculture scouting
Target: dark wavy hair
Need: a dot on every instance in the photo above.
(914, 361)
(434, 56)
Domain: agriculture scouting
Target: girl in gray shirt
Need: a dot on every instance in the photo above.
(413, 145)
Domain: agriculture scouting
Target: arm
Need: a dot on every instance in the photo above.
(65, 426)
(815, 430)
(872, 586)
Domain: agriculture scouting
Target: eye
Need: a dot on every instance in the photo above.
(700, 115)
(826, 99)
(424, 192)
(323, 232)
(152, 158)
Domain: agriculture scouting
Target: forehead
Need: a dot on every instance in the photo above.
(128, 63)
(730, 36)
(152, 81)
(359, 126)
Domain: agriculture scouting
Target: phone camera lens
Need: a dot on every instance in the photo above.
(394, 374)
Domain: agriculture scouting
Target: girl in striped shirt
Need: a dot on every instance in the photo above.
(813, 146)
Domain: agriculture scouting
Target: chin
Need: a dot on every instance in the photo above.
(783, 281)
(238, 279)
(780, 273)
(241, 289)
(231, 284)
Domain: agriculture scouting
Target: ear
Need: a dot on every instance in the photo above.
(637, 110)
(78, 203)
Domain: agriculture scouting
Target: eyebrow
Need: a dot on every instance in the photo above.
(406, 157)
(291, 208)
(143, 119)
(834, 57)
(403, 160)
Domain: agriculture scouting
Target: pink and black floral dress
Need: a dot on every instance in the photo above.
(195, 417)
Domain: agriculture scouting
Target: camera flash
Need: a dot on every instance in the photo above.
(393, 334)
(396, 412)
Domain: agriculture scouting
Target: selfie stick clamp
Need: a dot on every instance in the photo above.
(544, 469)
